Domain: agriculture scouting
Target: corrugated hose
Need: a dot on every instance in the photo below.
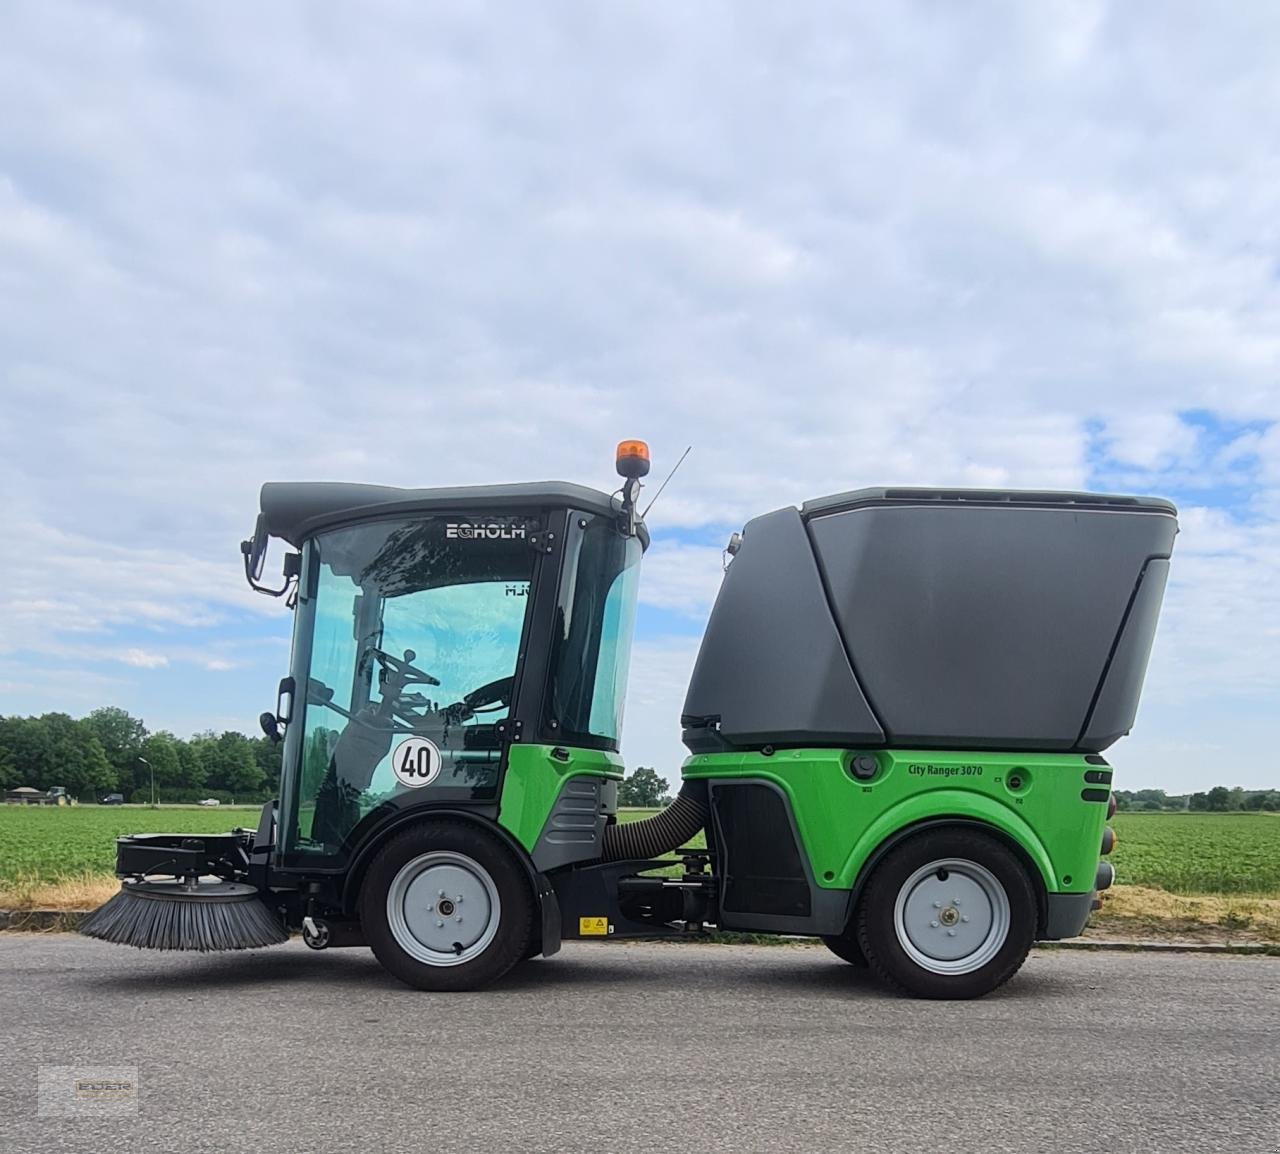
(663, 832)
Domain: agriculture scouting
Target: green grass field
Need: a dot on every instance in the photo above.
(55, 842)
(1183, 853)
(47, 843)
(1199, 853)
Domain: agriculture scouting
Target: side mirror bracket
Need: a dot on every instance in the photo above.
(271, 727)
(273, 724)
(254, 551)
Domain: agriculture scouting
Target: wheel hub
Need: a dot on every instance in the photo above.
(952, 916)
(443, 908)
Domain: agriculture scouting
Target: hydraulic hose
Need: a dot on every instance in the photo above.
(663, 832)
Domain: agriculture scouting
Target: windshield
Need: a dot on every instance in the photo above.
(596, 621)
(416, 630)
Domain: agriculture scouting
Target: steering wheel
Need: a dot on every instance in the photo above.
(395, 672)
(487, 699)
(495, 694)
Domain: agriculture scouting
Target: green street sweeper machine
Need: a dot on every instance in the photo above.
(895, 726)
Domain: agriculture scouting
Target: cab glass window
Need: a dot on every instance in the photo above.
(416, 631)
(594, 626)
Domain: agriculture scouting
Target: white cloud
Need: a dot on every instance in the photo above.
(1220, 634)
(1148, 440)
(682, 578)
(660, 671)
(141, 659)
(716, 244)
(830, 248)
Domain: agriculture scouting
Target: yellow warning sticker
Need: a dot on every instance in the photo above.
(589, 926)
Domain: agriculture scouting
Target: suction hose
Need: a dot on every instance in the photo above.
(663, 832)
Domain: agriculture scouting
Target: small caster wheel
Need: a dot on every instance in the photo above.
(315, 932)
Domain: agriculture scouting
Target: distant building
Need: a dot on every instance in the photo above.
(26, 795)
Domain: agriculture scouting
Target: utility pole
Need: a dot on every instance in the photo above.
(153, 780)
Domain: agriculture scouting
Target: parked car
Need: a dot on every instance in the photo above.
(112, 799)
(209, 801)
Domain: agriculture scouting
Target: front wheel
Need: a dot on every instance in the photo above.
(947, 914)
(445, 906)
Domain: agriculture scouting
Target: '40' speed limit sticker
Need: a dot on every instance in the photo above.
(416, 762)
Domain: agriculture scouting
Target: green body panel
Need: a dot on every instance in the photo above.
(533, 780)
(841, 820)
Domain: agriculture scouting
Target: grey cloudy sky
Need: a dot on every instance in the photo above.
(830, 245)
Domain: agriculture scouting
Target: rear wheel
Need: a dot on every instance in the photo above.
(445, 906)
(947, 914)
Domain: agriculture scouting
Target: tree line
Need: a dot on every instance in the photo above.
(110, 751)
(1219, 799)
(644, 788)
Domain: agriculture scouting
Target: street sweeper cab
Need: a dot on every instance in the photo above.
(895, 727)
(435, 632)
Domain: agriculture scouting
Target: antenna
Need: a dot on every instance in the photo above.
(658, 494)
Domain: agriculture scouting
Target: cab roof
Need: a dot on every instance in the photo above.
(296, 510)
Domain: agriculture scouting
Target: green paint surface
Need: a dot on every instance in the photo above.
(841, 820)
(533, 782)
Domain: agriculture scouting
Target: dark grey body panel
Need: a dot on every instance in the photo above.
(988, 626)
(829, 916)
(574, 830)
(772, 667)
(738, 852)
(935, 618)
(1065, 916)
(297, 509)
(1117, 703)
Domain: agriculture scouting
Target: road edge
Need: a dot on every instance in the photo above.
(66, 920)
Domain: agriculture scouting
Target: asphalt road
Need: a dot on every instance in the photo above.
(618, 1047)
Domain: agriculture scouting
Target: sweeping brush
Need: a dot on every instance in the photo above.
(185, 915)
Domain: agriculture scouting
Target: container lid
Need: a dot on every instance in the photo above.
(987, 498)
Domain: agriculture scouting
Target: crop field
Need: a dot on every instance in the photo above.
(1199, 853)
(48, 843)
(1182, 853)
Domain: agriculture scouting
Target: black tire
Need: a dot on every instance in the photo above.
(846, 948)
(506, 937)
(1007, 939)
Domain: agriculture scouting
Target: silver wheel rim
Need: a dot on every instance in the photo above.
(443, 908)
(952, 916)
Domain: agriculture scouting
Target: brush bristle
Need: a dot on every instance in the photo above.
(152, 924)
